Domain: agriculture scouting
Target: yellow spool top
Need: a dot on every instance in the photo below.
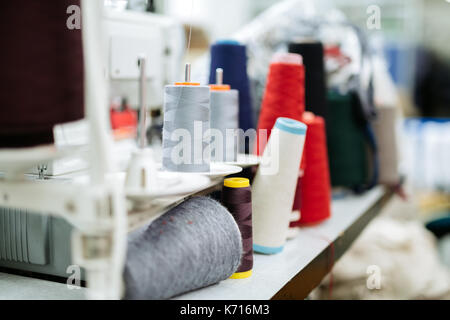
(241, 275)
(236, 182)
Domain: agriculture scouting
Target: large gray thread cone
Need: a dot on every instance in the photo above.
(194, 245)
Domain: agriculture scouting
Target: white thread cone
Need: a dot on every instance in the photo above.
(274, 185)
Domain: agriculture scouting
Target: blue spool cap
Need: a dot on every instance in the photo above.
(228, 42)
(291, 126)
(267, 250)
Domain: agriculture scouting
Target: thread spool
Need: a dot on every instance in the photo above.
(186, 122)
(44, 68)
(274, 185)
(231, 56)
(347, 147)
(315, 80)
(225, 118)
(385, 131)
(237, 198)
(284, 95)
(194, 245)
(313, 194)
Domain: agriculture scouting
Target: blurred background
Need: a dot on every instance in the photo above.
(411, 38)
(415, 43)
(388, 60)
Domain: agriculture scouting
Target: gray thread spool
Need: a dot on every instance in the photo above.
(183, 106)
(225, 115)
(194, 245)
(385, 131)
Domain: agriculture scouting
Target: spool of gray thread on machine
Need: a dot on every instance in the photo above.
(185, 105)
(194, 245)
(225, 115)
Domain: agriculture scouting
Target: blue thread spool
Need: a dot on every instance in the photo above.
(231, 56)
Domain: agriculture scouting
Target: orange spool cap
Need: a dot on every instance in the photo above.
(187, 77)
(219, 86)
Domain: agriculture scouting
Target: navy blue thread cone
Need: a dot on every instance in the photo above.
(232, 58)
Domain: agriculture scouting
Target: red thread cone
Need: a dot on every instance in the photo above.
(284, 95)
(313, 195)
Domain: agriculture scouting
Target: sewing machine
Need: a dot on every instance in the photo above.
(40, 243)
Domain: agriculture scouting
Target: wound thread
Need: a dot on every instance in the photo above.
(274, 185)
(231, 56)
(313, 194)
(315, 78)
(194, 245)
(225, 119)
(284, 95)
(237, 198)
(186, 111)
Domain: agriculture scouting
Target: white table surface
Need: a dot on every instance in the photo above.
(14, 287)
(270, 272)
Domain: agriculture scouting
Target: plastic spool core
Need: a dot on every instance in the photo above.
(220, 87)
(297, 40)
(187, 77)
(290, 125)
(187, 83)
(241, 275)
(236, 182)
(308, 115)
(228, 42)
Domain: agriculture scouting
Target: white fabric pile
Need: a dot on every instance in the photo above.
(405, 255)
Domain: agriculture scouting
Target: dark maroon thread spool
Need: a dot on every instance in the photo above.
(237, 198)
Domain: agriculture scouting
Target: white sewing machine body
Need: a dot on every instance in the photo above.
(40, 204)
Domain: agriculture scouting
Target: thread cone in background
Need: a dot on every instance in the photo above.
(385, 131)
(231, 56)
(275, 184)
(42, 67)
(347, 147)
(312, 53)
(313, 194)
(284, 95)
(237, 198)
(225, 117)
